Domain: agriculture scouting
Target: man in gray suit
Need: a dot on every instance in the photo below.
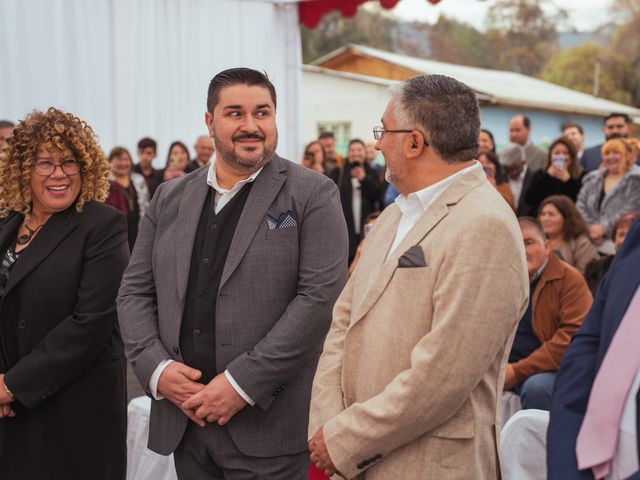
(228, 296)
(520, 133)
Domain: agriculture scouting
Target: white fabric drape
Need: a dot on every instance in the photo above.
(134, 68)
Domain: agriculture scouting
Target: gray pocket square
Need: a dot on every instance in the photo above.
(412, 258)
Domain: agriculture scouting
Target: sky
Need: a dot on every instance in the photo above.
(584, 15)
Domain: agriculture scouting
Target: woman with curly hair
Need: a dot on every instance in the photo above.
(63, 252)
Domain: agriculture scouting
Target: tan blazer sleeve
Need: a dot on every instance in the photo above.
(472, 321)
(326, 394)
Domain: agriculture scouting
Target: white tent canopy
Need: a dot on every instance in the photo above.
(135, 68)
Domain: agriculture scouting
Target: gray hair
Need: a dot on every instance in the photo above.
(512, 155)
(446, 111)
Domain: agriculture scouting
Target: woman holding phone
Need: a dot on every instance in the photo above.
(562, 175)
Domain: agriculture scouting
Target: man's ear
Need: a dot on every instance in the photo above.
(414, 144)
(208, 120)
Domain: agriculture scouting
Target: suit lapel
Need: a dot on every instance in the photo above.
(9, 228)
(263, 192)
(50, 235)
(435, 213)
(189, 212)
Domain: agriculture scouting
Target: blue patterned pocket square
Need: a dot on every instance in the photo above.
(285, 220)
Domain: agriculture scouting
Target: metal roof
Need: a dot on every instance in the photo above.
(499, 86)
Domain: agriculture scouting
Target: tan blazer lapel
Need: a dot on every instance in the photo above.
(381, 269)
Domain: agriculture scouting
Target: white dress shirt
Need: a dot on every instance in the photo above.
(516, 186)
(415, 204)
(356, 203)
(222, 196)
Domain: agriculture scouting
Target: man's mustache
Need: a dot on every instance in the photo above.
(248, 136)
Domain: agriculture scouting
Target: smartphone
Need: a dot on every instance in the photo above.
(557, 161)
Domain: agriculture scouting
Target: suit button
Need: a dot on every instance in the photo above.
(196, 332)
(176, 350)
(213, 226)
(22, 324)
(206, 260)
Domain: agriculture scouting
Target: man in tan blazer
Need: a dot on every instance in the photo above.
(411, 375)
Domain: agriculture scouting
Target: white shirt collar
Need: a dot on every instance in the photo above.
(212, 179)
(416, 203)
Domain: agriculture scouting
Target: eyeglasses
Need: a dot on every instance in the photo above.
(46, 168)
(378, 133)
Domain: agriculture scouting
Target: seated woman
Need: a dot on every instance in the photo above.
(562, 175)
(566, 231)
(62, 368)
(128, 191)
(491, 167)
(177, 161)
(610, 191)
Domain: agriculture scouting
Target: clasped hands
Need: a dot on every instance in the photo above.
(5, 401)
(216, 401)
(320, 455)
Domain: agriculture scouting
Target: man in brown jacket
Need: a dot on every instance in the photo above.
(558, 302)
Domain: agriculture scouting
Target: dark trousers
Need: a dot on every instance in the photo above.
(535, 391)
(209, 454)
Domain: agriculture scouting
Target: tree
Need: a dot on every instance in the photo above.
(575, 68)
(456, 42)
(367, 27)
(626, 44)
(521, 36)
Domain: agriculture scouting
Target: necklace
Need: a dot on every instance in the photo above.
(26, 238)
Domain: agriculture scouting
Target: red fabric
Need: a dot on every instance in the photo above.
(315, 474)
(312, 11)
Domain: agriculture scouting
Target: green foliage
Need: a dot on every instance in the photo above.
(576, 67)
(457, 42)
(335, 31)
(520, 36)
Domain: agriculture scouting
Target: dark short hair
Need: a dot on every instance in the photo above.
(526, 121)
(237, 76)
(326, 135)
(530, 222)
(574, 225)
(356, 140)
(567, 125)
(6, 124)
(627, 118)
(446, 111)
(118, 152)
(147, 142)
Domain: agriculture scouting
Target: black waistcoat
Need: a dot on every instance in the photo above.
(210, 249)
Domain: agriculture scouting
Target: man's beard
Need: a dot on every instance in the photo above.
(616, 135)
(230, 156)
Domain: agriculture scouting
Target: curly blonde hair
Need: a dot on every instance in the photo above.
(52, 129)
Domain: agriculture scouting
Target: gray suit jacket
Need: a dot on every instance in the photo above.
(273, 308)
